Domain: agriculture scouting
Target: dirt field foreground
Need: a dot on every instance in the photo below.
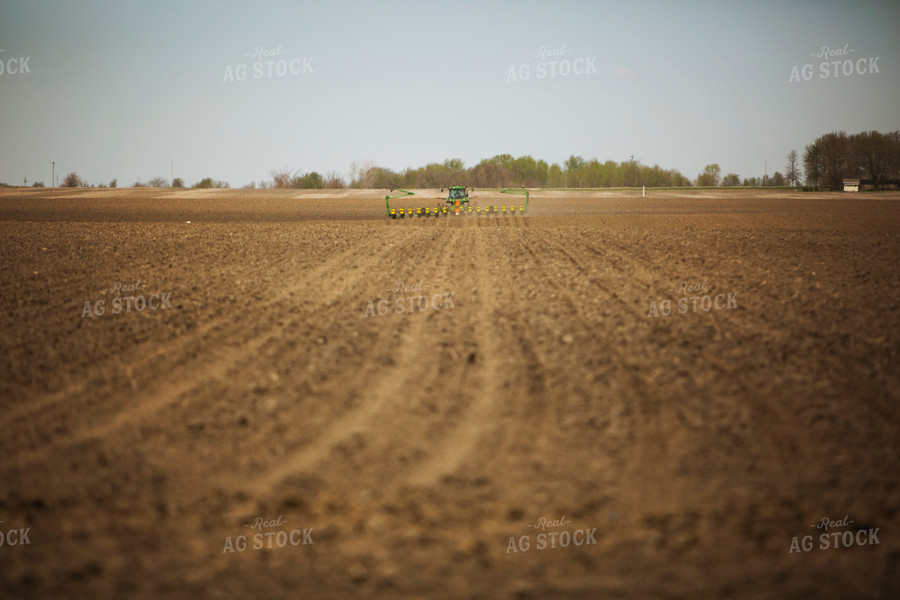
(299, 398)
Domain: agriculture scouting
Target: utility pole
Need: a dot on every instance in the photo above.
(53, 174)
(172, 184)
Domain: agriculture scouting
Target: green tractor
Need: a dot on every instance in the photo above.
(458, 196)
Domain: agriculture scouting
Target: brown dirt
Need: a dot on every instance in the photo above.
(417, 444)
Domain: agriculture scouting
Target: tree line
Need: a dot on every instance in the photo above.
(872, 157)
(73, 180)
(505, 170)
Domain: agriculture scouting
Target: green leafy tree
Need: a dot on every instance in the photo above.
(307, 181)
(573, 171)
(710, 176)
(555, 176)
(731, 180)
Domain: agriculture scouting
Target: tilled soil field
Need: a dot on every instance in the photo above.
(297, 397)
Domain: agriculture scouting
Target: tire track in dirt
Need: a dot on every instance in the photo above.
(330, 308)
(146, 353)
(383, 397)
(628, 382)
(455, 443)
(678, 414)
(71, 377)
(773, 424)
(597, 381)
(367, 444)
(388, 380)
(640, 432)
(445, 456)
(520, 368)
(355, 421)
(168, 392)
(660, 420)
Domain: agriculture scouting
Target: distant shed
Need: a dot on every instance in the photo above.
(851, 185)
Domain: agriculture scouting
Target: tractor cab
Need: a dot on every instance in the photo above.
(458, 195)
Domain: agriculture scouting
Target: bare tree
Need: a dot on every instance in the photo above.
(72, 180)
(872, 153)
(837, 159)
(282, 177)
(158, 182)
(812, 164)
(363, 175)
(333, 180)
(792, 169)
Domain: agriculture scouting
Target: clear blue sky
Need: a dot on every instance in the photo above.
(121, 89)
